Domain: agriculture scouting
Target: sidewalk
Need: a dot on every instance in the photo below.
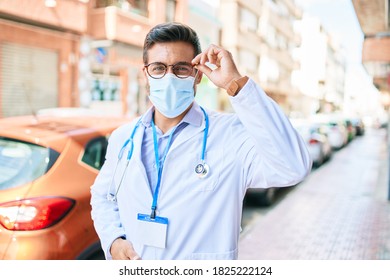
(340, 212)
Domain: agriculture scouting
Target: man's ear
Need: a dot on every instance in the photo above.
(199, 77)
(145, 73)
(147, 86)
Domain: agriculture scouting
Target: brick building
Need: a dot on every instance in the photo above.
(70, 53)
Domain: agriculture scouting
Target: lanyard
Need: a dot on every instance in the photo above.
(201, 169)
(206, 131)
(159, 165)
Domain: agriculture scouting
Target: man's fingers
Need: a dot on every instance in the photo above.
(217, 64)
(204, 69)
(209, 55)
(131, 253)
(123, 250)
(212, 55)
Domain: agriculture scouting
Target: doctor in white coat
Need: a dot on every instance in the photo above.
(173, 182)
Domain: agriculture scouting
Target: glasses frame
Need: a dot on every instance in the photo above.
(173, 69)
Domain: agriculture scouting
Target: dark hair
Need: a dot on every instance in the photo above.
(171, 32)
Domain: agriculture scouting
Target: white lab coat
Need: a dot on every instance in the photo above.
(255, 147)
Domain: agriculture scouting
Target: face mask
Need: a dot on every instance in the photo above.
(171, 95)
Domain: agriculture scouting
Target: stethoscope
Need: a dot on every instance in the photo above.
(202, 169)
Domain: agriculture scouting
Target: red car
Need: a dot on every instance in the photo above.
(47, 166)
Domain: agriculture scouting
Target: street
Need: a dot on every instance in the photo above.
(339, 212)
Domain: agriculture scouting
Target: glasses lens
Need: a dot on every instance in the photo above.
(157, 70)
(182, 70)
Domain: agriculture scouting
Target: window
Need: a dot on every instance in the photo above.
(270, 36)
(249, 60)
(139, 7)
(106, 88)
(281, 42)
(95, 151)
(248, 19)
(170, 10)
(22, 162)
(269, 70)
(136, 6)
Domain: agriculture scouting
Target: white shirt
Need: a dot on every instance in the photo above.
(147, 151)
(255, 147)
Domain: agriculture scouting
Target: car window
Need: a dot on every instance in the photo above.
(95, 152)
(22, 162)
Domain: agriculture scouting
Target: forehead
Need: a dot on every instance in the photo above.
(171, 52)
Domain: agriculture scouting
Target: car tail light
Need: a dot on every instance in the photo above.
(313, 141)
(33, 214)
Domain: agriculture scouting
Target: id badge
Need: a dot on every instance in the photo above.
(152, 232)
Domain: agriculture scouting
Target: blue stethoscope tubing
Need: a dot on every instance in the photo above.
(201, 169)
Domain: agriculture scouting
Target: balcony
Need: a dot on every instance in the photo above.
(374, 21)
(112, 23)
(376, 60)
(66, 15)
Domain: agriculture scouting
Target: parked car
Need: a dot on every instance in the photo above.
(261, 196)
(47, 166)
(317, 142)
(333, 127)
(359, 126)
(351, 130)
(336, 132)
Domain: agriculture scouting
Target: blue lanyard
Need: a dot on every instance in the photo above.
(206, 131)
(159, 165)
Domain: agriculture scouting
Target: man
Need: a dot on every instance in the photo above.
(173, 182)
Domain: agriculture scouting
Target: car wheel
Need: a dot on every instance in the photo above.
(267, 198)
(99, 255)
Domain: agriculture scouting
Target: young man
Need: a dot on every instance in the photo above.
(173, 182)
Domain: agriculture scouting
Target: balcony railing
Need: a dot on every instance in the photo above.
(134, 6)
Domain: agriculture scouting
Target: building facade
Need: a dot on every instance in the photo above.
(38, 55)
(260, 34)
(70, 53)
(374, 20)
(88, 53)
(321, 75)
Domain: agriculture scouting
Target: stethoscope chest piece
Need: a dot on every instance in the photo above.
(202, 170)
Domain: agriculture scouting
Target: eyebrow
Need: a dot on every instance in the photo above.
(180, 62)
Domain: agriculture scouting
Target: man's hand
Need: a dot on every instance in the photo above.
(225, 71)
(122, 249)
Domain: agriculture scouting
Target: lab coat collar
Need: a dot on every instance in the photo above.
(194, 117)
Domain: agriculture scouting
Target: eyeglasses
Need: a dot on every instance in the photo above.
(157, 70)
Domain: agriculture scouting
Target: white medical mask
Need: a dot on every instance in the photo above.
(171, 95)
